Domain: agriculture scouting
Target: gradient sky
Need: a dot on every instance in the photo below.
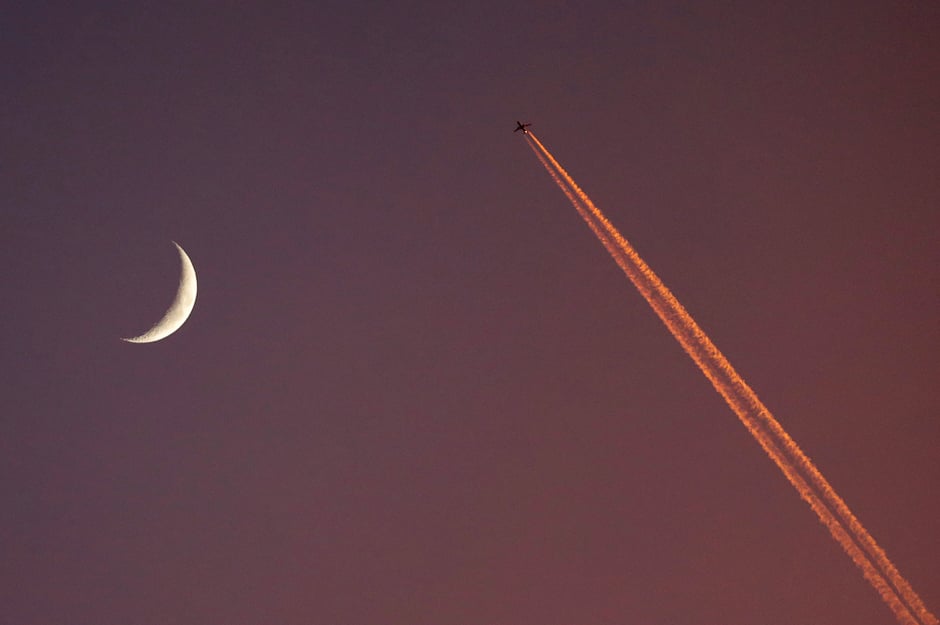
(414, 388)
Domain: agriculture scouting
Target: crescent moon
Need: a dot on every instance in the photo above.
(179, 310)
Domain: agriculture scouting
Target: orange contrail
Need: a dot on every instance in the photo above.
(640, 279)
(701, 341)
(742, 399)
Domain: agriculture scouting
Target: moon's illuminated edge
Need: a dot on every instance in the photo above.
(179, 310)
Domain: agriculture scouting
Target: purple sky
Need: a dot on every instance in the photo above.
(414, 388)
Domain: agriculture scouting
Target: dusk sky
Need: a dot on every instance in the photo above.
(414, 387)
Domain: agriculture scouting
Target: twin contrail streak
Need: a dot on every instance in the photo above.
(782, 449)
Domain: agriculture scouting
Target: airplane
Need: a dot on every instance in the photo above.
(522, 127)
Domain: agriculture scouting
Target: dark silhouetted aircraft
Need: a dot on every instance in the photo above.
(522, 127)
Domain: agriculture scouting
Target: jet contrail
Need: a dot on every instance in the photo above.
(749, 409)
(639, 273)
